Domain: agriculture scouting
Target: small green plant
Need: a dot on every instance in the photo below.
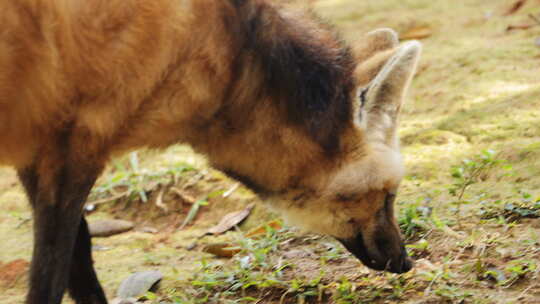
(305, 290)
(345, 293)
(524, 207)
(414, 221)
(455, 294)
(132, 181)
(253, 270)
(507, 276)
(332, 252)
(419, 249)
(468, 173)
(196, 206)
(518, 269)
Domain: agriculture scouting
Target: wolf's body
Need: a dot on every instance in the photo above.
(269, 95)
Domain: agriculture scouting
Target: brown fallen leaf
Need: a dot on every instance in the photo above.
(223, 250)
(516, 6)
(104, 228)
(10, 272)
(519, 27)
(261, 230)
(417, 32)
(230, 220)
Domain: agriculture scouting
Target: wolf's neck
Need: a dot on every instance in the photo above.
(305, 68)
(288, 103)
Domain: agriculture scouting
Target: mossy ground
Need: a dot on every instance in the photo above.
(478, 88)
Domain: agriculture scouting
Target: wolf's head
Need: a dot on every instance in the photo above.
(354, 199)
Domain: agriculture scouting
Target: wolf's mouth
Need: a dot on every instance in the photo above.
(357, 247)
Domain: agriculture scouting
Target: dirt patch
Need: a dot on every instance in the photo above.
(12, 271)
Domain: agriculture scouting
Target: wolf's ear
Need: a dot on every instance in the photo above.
(374, 42)
(372, 52)
(383, 96)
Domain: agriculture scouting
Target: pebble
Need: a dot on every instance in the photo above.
(137, 284)
(104, 228)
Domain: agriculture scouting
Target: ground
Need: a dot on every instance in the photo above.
(469, 204)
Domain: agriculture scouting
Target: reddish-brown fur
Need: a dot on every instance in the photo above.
(268, 94)
(167, 66)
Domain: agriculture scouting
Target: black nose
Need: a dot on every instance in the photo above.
(403, 265)
(398, 262)
(407, 265)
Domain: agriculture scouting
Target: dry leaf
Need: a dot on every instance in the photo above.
(223, 250)
(516, 6)
(10, 272)
(417, 32)
(519, 27)
(230, 220)
(261, 230)
(525, 26)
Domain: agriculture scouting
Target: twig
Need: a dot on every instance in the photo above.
(524, 292)
(533, 17)
(515, 7)
(520, 27)
(108, 199)
(427, 291)
(22, 222)
(159, 200)
(194, 180)
(186, 198)
(231, 190)
(282, 299)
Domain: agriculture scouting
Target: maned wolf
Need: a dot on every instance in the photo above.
(270, 95)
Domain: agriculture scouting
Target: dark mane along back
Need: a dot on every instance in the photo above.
(305, 65)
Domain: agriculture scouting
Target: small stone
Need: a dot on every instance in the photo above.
(97, 247)
(89, 208)
(148, 229)
(124, 301)
(296, 254)
(104, 228)
(137, 284)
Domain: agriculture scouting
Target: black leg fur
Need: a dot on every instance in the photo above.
(84, 286)
(57, 228)
(53, 250)
(29, 180)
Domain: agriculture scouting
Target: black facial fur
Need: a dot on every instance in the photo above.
(248, 182)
